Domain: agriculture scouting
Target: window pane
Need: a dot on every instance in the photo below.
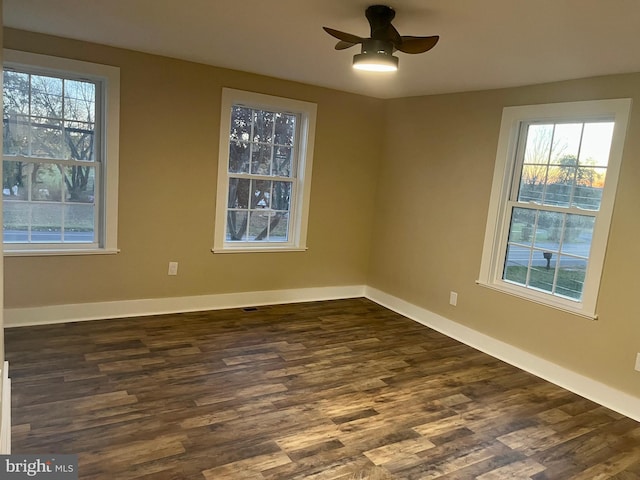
(577, 235)
(549, 230)
(236, 226)
(239, 193)
(517, 264)
(259, 225)
(240, 123)
(285, 129)
(15, 180)
(280, 227)
(46, 182)
(566, 142)
(46, 222)
(281, 196)
(16, 135)
(263, 126)
(571, 274)
(79, 141)
(560, 182)
(46, 96)
(16, 93)
(538, 147)
(589, 185)
(16, 221)
(46, 138)
(261, 159)
(80, 184)
(238, 157)
(261, 194)
(596, 144)
(532, 183)
(541, 276)
(79, 101)
(282, 161)
(522, 224)
(78, 223)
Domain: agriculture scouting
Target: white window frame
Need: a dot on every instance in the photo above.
(301, 188)
(107, 131)
(498, 221)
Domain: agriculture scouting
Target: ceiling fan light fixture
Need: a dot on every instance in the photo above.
(375, 62)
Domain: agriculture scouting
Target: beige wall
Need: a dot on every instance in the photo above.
(168, 165)
(431, 210)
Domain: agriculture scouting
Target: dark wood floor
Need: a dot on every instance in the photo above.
(326, 390)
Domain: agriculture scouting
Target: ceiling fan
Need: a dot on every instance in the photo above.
(377, 51)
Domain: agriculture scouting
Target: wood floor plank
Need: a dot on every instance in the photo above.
(334, 390)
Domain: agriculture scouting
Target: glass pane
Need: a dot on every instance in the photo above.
(238, 157)
(279, 227)
(46, 222)
(16, 94)
(566, 143)
(285, 129)
(532, 183)
(596, 144)
(239, 193)
(259, 225)
(516, 264)
(236, 226)
(560, 182)
(538, 148)
(46, 138)
(282, 161)
(15, 177)
(281, 197)
(571, 273)
(79, 101)
(240, 123)
(588, 192)
(541, 277)
(16, 219)
(578, 233)
(79, 137)
(78, 223)
(261, 194)
(46, 182)
(263, 126)
(16, 134)
(522, 223)
(80, 184)
(46, 96)
(261, 159)
(549, 230)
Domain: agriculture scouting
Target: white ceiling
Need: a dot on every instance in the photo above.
(483, 43)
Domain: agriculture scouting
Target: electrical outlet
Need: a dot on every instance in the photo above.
(638, 362)
(453, 298)
(173, 268)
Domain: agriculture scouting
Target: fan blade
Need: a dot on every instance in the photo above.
(341, 45)
(345, 37)
(417, 44)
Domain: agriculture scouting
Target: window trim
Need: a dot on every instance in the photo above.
(497, 228)
(302, 181)
(109, 96)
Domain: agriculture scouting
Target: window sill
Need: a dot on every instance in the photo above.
(60, 252)
(259, 249)
(555, 306)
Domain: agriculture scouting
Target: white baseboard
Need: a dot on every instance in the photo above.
(593, 390)
(22, 317)
(600, 393)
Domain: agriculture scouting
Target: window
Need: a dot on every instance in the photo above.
(552, 199)
(264, 172)
(60, 155)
